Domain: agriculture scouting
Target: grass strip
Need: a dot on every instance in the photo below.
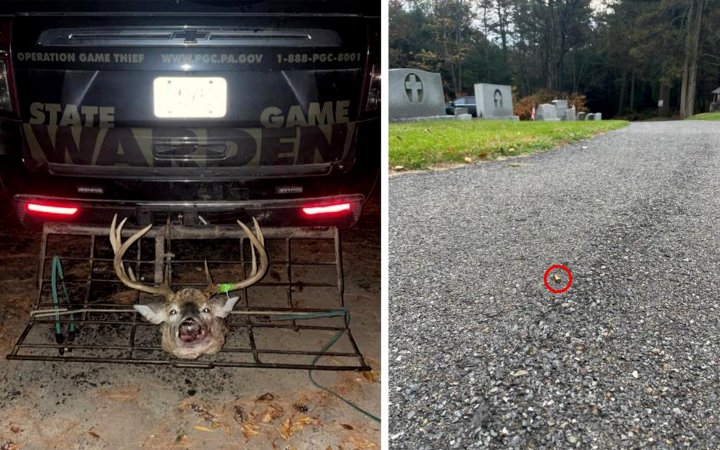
(422, 145)
(705, 116)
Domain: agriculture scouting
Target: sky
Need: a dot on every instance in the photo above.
(598, 5)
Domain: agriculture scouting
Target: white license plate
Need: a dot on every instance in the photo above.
(189, 97)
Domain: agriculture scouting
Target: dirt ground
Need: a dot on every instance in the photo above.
(66, 405)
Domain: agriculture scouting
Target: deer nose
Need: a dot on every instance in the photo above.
(189, 320)
(189, 311)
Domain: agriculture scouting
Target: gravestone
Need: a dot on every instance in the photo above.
(598, 116)
(570, 114)
(590, 116)
(415, 93)
(715, 105)
(560, 107)
(546, 112)
(494, 101)
(581, 115)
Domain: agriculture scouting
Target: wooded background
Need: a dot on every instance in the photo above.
(621, 55)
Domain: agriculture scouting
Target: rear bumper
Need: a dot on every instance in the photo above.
(284, 212)
(275, 199)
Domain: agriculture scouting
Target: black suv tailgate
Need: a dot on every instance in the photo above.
(190, 96)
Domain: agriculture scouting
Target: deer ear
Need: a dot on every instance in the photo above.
(222, 307)
(154, 312)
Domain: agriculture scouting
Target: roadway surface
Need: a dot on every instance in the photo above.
(483, 356)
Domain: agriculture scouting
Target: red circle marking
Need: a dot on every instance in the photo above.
(550, 269)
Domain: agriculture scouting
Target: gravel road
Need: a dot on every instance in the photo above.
(483, 356)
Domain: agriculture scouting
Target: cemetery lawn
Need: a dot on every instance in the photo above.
(422, 145)
(705, 116)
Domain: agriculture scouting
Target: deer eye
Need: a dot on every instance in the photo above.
(206, 310)
(172, 312)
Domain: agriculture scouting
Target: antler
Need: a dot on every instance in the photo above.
(257, 242)
(120, 248)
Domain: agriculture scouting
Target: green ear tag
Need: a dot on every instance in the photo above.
(224, 288)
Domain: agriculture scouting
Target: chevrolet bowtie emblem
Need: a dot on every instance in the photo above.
(190, 36)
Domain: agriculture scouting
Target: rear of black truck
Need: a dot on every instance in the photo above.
(197, 112)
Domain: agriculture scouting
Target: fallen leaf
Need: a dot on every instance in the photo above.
(121, 395)
(301, 407)
(202, 428)
(286, 429)
(372, 376)
(204, 413)
(249, 429)
(399, 168)
(347, 427)
(15, 429)
(94, 434)
(361, 442)
(240, 415)
(468, 159)
(293, 425)
(266, 397)
(519, 373)
(306, 420)
(272, 413)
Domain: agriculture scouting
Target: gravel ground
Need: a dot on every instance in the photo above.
(483, 356)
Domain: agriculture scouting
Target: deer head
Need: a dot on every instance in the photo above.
(191, 320)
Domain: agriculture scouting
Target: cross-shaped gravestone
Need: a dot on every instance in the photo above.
(414, 93)
(413, 88)
(493, 101)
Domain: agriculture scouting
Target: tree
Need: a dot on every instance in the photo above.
(451, 26)
(623, 57)
(693, 27)
(551, 29)
(408, 33)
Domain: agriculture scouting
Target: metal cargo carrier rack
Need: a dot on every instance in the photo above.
(294, 318)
